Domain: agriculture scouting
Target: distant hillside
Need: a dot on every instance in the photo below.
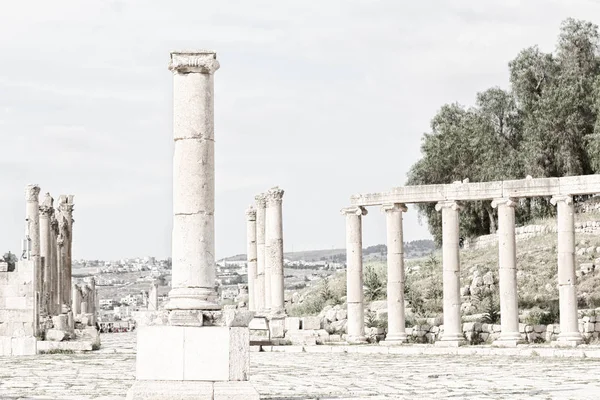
(414, 249)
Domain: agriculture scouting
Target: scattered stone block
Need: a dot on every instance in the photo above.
(60, 322)
(3, 266)
(539, 328)
(309, 323)
(292, 323)
(277, 327)
(528, 328)
(55, 335)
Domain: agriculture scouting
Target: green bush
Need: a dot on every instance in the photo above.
(375, 283)
(537, 316)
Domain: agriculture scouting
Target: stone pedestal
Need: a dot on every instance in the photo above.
(453, 335)
(395, 275)
(354, 268)
(507, 263)
(277, 327)
(569, 328)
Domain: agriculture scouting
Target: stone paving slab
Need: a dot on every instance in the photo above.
(107, 374)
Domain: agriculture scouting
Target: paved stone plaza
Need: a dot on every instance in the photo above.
(108, 373)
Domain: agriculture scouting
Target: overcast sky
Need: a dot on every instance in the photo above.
(324, 98)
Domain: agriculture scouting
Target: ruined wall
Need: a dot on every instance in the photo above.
(17, 310)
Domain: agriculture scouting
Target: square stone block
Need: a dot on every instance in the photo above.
(277, 327)
(24, 346)
(292, 323)
(208, 353)
(190, 390)
(5, 346)
(235, 391)
(311, 323)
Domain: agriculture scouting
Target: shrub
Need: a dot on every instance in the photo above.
(375, 284)
(491, 313)
(537, 316)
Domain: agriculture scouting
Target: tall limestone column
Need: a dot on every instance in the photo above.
(251, 256)
(54, 267)
(354, 273)
(395, 273)
(567, 291)
(63, 260)
(153, 297)
(46, 211)
(32, 193)
(65, 205)
(207, 349)
(262, 278)
(76, 296)
(274, 244)
(92, 300)
(453, 335)
(61, 253)
(507, 262)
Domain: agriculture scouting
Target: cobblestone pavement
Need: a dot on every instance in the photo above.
(108, 373)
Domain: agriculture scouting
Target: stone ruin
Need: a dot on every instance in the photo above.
(38, 307)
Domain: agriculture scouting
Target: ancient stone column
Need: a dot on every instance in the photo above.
(61, 259)
(32, 193)
(76, 305)
(453, 335)
(65, 206)
(354, 272)
(193, 241)
(567, 291)
(153, 297)
(54, 267)
(251, 256)
(46, 211)
(274, 244)
(92, 300)
(507, 262)
(395, 273)
(262, 278)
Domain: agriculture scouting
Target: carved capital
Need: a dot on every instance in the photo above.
(251, 213)
(394, 207)
(47, 206)
(202, 61)
(356, 210)
(454, 205)
(567, 199)
(32, 193)
(507, 201)
(261, 200)
(60, 240)
(274, 196)
(65, 205)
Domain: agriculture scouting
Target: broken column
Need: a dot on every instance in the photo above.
(274, 246)
(567, 290)
(453, 335)
(153, 297)
(261, 276)
(354, 271)
(32, 193)
(76, 298)
(46, 211)
(395, 274)
(507, 263)
(202, 352)
(251, 256)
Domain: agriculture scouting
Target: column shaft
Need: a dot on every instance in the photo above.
(251, 257)
(46, 210)
(32, 193)
(354, 274)
(76, 305)
(261, 273)
(507, 263)
(567, 290)
(274, 244)
(193, 245)
(54, 267)
(395, 273)
(451, 273)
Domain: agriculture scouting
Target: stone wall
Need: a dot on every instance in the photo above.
(529, 231)
(17, 310)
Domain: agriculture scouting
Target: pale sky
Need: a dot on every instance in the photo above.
(324, 98)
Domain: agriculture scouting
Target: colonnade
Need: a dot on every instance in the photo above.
(453, 335)
(85, 300)
(264, 224)
(48, 244)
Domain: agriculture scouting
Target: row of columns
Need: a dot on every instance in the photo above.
(48, 245)
(507, 262)
(264, 223)
(84, 300)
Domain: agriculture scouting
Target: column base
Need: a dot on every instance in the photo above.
(192, 299)
(451, 340)
(356, 340)
(568, 339)
(394, 340)
(192, 390)
(509, 340)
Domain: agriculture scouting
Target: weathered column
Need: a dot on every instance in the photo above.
(274, 244)
(153, 297)
(46, 211)
(507, 263)
(65, 278)
(354, 274)
(61, 258)
(263, 280)
(201, 359)
(54, 266)
(76, 305)
(251, 256)
(453, 335)
(92, 300)
(395, 273)
(66, 209)
(32, 193)
(567, 291)
(193, 285)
